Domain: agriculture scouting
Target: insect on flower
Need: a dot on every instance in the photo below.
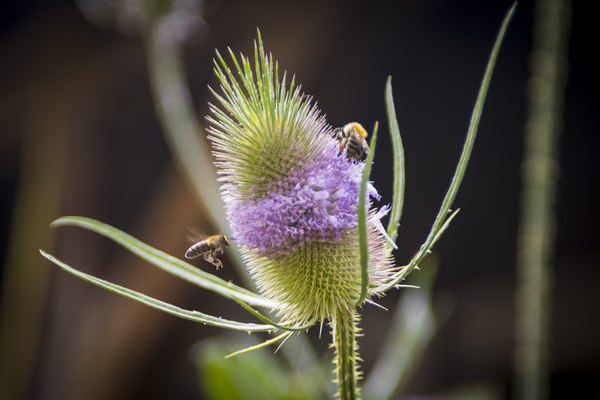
(209, 249)
(352, 137)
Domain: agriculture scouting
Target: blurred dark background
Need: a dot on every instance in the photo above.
(79, 136)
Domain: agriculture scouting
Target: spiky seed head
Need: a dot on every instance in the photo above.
(291, 199)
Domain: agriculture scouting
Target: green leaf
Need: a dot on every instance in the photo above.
(195, 316)
(440, 223)
(167, 262)
(398, 151)
(363, 239)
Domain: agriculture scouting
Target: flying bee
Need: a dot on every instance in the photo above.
(209, 249)
(352, 137)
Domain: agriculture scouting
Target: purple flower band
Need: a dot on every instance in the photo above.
(318, 201)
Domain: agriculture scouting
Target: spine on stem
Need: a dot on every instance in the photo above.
(345, 330)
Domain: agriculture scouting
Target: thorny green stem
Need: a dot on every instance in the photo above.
(345, 328)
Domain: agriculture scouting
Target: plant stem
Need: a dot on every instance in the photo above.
(345, 328)
(182, 131)
(539, 191)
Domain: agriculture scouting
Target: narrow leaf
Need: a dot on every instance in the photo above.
(439, 223)
(362, 218)
(167, 262)
(472, 130)
(195, 316)
(398, 152)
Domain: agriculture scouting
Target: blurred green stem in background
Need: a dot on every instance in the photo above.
(47, 127)
(540, 174)
(182, 131)
(413, 326)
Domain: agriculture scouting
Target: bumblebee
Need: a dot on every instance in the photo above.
(352, 137)
(209, 249)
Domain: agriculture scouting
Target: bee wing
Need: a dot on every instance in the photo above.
(210, 257)
(195, 235)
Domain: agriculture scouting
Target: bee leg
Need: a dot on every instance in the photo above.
(218, 264)
(210, 257)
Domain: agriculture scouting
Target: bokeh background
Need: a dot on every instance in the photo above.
(79, 136)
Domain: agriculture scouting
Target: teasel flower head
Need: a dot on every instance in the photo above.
(290, 197)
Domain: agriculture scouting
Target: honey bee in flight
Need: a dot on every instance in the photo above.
(209, 249)
(352, 137)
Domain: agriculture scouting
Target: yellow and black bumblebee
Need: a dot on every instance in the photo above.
(352, 137)
(209, 249)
